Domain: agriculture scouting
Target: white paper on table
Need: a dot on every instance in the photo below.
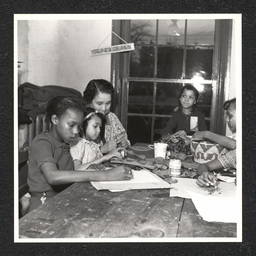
(220, 206)
(216, 207)
(226, 178)
(142, 179)
(179, 189)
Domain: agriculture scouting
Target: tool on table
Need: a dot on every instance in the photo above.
(131, 163)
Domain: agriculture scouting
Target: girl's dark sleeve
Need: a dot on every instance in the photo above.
(202, 124)
(170, 126)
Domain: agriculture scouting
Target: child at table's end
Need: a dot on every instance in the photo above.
(86, 151)
(186, 116)
(228, 159)
(50, 165)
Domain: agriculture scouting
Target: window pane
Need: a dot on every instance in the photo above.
(139, 129)
(160, 124)
(200, 38)
(169, 62)
(143, 31)
(167, 95)
(171, 32)
(200, 32)
(142, 62)
(199, 64)
(205, 98)
(205, 93)
(140, 97)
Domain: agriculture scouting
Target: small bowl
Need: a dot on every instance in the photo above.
(205, 151)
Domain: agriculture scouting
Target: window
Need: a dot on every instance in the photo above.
(169, 54)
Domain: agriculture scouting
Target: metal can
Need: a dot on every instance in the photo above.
(175, 167)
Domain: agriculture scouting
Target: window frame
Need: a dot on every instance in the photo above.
(120, 63)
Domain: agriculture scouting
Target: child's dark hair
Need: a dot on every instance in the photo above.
(88, 113)
(60, 104)
(96, 86)
(228, 103)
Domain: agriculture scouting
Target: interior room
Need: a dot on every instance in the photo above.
(163, 54)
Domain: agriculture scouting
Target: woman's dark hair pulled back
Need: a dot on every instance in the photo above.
(96, 86)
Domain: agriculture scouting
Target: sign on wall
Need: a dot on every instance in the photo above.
(113, 49)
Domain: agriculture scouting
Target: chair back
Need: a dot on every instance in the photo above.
(38, 126)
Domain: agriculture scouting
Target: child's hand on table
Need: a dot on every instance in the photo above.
(206, 179)
(119, 173)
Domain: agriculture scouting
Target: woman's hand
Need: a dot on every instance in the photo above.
(115, 153)
(123, 142)
(119, 173)
(108, 146)
(206, 179)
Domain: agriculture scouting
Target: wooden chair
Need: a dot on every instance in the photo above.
(36, 127)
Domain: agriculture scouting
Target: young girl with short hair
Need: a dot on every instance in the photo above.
(186, 116)
(50, 165)
(86, 151)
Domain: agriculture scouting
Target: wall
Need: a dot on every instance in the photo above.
(57, 52)
(22, 50)
(234, 90)
(232, 87)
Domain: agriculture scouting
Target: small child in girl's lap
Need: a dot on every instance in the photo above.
(86, 151)
(50, 165)
(187, 117)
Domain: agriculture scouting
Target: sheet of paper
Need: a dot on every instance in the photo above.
(185, 186)
(221, 206)
(216, 208)
(142, 179)
(179, 189)
(194, 123)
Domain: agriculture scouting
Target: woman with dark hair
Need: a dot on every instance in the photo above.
(186, 116)
(98, 95)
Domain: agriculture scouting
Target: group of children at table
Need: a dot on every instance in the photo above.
(84, 134)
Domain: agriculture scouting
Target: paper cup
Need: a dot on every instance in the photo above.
(159, 149)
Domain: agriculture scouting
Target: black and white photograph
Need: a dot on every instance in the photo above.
(127, 128)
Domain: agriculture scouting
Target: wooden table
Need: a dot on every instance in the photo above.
(81, 211)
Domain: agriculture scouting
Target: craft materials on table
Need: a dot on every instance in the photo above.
(226, 178)
(220, 205)
(205, 151)
(175, 167)
(142, 179)
(178, 145)
(140, 148)
(132, 163)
